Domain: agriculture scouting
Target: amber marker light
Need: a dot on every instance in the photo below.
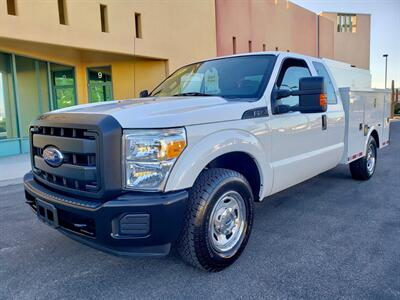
(174, 148)
(322, 100)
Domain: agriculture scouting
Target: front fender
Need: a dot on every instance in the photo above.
(197, 156)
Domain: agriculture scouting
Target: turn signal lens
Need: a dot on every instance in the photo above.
(174, 148)
(322, 100)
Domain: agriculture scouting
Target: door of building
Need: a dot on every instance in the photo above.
(63, 86)
(99, 84)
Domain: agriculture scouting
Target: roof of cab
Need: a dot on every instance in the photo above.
(276, 53)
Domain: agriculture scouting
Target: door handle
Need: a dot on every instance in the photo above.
(324, 122)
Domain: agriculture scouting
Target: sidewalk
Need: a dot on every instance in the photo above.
(13, 168)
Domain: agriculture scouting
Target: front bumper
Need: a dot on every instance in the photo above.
(133, 224)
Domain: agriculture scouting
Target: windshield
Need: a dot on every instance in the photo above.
(233, 77)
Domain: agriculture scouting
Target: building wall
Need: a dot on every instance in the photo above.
(282, 25)
(325, 38)
(168, 27)
(352, 47)
(277, 24)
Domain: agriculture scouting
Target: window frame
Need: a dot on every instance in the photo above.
(331, 79)
(53, 87)
(272, 100)
(263, 87)
(345, 23)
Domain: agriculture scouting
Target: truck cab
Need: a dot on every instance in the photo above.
(183, 165)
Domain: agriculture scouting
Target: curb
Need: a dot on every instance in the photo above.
(13, 181)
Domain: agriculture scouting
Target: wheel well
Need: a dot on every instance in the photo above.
(242, 163)
(374, 134)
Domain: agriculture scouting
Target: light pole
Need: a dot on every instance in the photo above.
(385, 56)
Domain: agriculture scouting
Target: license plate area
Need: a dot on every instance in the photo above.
(47, 213)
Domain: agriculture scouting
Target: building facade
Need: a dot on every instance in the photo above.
(349, 35)
(58, 53)
(270, 25)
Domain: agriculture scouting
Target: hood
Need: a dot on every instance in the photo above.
(154, 112)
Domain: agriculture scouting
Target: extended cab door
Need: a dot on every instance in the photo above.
(335, 119)
(298, 139)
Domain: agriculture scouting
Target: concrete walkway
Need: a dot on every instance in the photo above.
(13, 168)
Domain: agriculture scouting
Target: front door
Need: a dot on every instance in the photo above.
(100, 84)
(297, 138)
(63, 85)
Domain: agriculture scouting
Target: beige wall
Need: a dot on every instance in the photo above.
(273, 23)
(177, 30)
(282, 24)
(352, 47)
(174, 33)
(325, 38)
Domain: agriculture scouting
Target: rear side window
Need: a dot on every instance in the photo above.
(330, 90)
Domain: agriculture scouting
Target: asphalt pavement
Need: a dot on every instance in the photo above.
(329, 237)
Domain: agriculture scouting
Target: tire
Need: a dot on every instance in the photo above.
(218, 200)
(364, 167)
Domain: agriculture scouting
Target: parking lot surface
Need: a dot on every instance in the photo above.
(330, 237)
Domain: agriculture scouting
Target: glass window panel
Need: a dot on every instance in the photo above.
(353, 23)
(342, 24)
(8, 116)
(44, 86)
(28, 91)
(330, 90)
(347, 23)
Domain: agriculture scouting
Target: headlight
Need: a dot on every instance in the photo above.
(148, 156)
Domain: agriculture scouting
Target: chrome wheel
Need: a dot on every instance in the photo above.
(227, 223)
(371, 157)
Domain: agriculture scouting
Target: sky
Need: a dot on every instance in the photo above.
(385, 32)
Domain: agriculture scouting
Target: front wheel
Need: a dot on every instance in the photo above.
(218, 220)
(364, 167)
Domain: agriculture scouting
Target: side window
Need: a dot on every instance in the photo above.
(330, 90)
(291, 72)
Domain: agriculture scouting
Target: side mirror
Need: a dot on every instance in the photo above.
(144, 94)
(312, 95)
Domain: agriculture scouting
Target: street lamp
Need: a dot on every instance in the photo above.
(385, 56)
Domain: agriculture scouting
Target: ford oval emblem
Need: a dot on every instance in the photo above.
(52, 156)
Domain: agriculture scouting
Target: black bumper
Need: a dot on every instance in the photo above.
(132, 224)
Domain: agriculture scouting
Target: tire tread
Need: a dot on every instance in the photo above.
(198, 198)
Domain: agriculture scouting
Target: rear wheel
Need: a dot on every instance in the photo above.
(364, 167)
(218, 221)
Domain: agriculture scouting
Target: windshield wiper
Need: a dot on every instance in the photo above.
(192, 94)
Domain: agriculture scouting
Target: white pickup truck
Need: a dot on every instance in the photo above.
(183, 165)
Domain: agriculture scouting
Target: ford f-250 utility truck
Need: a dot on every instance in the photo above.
(184, 164)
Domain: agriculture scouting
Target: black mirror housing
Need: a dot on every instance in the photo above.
(312, 95)
(144, 94)
(282, 93)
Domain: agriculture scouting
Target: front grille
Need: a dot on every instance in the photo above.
(79, 170)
